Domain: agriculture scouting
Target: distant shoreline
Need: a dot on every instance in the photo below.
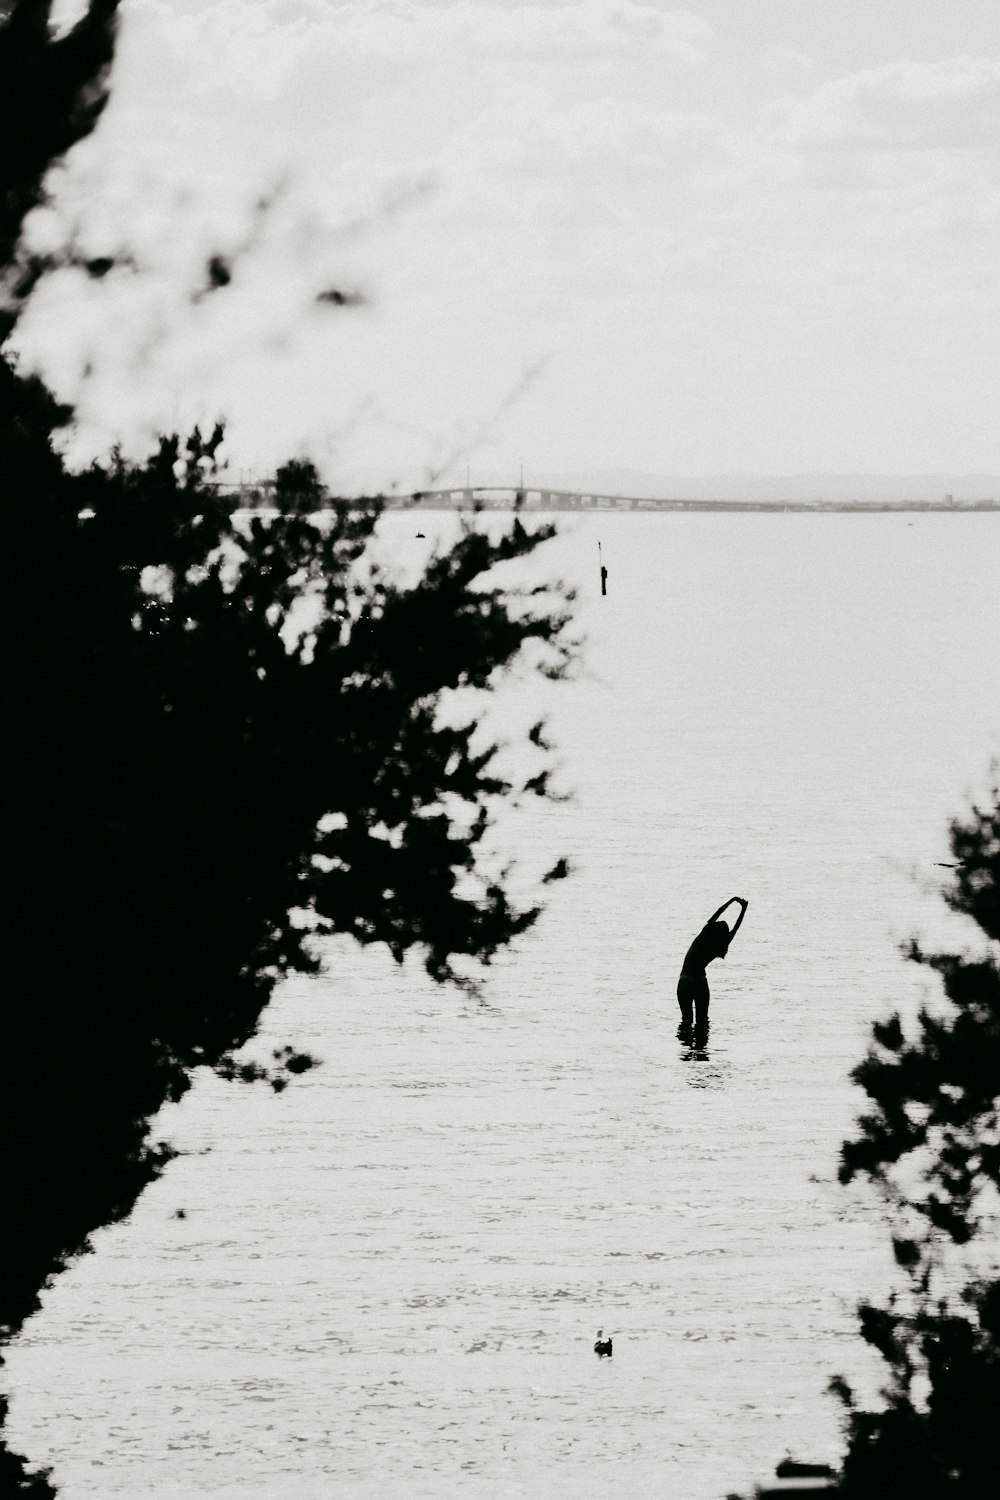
(533, 501)
(679, 507)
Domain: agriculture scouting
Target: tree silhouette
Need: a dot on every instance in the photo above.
(214, 724)
(931, 1144)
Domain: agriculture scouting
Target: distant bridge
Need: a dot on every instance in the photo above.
(501, 497)
(511, 497)
(542, 498)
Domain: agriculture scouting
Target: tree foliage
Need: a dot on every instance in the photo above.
(930, 1141)
(213, 724)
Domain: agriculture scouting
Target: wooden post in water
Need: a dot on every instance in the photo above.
(604, 572)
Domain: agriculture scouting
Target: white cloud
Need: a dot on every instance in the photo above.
(276, 45)
(903, 106)
(785, 62)
(508, 112)
(515, 183)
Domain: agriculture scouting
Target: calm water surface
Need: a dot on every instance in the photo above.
(388, 1279)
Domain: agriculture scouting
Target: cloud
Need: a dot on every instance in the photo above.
(904, 106)
(786, 61)
(362, 98)
(622, 136)
(505, 113)
(509, 183)
(269, 46)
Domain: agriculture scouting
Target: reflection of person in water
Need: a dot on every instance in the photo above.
(712, 942)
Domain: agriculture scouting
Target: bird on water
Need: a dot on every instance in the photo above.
(603, 1346)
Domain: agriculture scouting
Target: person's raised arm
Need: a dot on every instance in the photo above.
(724, 907)
(739, 901)
(742, 904)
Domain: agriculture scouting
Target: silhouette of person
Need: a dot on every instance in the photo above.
(711, 943)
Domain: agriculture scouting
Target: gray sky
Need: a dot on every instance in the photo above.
(743, 235)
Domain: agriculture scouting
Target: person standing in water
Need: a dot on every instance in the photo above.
(712, 942)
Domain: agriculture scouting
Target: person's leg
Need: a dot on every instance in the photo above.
(701, 1000)
(685, 999)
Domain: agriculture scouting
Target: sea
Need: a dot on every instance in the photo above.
(388, 1280)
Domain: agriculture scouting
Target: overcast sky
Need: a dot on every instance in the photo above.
(743, 235)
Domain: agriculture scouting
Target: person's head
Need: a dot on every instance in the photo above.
(720, 936)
